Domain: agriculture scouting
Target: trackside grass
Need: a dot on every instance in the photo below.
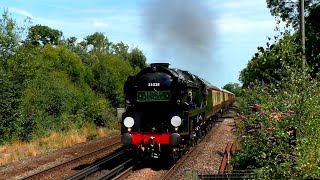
(19, 150)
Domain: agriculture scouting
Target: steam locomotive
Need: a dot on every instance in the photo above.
(168, 110)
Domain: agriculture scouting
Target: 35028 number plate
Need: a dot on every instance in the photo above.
(147, 96)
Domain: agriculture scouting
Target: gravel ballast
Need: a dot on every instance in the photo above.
(205, 158)
(28, 166)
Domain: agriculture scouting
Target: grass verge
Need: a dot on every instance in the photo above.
(19, 150)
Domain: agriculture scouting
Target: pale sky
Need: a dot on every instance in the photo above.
(213, 39)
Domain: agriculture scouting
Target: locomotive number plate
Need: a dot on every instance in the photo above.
(147, 96)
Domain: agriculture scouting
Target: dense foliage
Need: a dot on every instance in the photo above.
(234, 88)
(288, 10)
(267, 61)
(277, 128)
(51, 84)
(278, 124)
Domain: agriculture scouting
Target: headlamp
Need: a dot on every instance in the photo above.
(128, 122)
(176, 121)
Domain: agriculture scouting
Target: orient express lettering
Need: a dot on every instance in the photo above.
(144, 96)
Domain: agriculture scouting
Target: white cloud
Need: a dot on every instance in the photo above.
(20, 12)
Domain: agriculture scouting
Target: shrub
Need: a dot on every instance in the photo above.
(278, 129)
(278, 125)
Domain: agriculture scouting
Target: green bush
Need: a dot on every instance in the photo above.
(10, 93)
(110, 74)
(53, 87)
(270, 113)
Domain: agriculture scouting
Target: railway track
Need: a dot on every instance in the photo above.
(108, 167)
(124, 168)
(120, 165)
(175, 167)
(167, 175)
(71, 163)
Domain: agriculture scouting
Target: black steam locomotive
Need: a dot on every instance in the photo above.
(167, 110)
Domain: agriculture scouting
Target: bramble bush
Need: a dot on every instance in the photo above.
(278, 131)
(278, 124)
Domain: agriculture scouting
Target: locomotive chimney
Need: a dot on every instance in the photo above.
(160, 64)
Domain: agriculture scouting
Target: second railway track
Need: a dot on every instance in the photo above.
(65, 169)
(106, 168)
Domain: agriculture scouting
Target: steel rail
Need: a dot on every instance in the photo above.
(72, 160)
(95, 167)
(124, 174)
(115, 170)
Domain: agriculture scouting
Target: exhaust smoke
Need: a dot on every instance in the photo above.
(181, 31)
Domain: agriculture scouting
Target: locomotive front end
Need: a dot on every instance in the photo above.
(153, 120)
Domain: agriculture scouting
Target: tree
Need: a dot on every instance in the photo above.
(137, 58)
(313, 40)
(71, 42)
(43, 35)
(288, 10)
(10, 87)
(99, 42)
(49, 84)
(80, 48)
(234, 88)
(9, 36)
(110, 73)
(10, 93)
(120, 49)
(266, 66)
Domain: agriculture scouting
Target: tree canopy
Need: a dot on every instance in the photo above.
(265, 66)
(289, 10)
(234, 88)
(50, 84)
(43, 35)
(10, 35)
